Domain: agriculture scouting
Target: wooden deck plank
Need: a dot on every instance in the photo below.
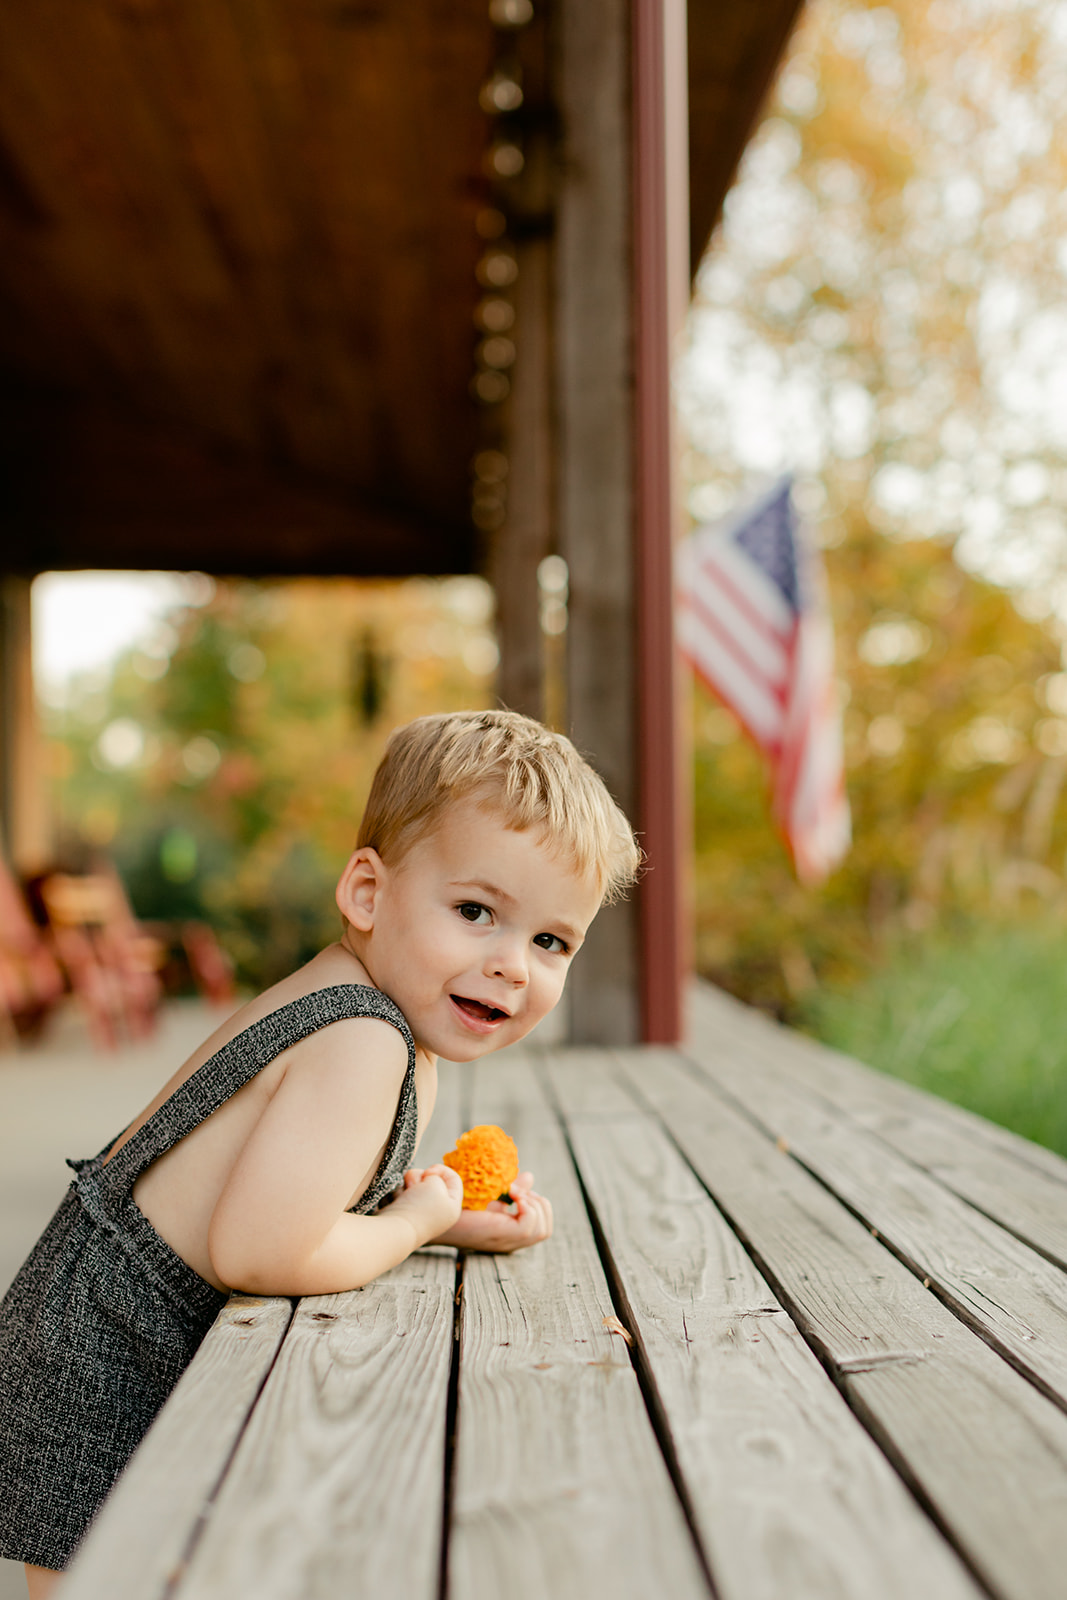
(1031, 1204)
(1017, 1184)
(136, 1546)
(984, 1449)
(560, 1488)
(793, 1499)
(349, 1428)
(1014, 1297)
(717, 1015)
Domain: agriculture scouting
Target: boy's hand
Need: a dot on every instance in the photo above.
(502, 1228)
(431, 1199)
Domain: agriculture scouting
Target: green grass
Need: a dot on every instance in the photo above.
(981, 1020)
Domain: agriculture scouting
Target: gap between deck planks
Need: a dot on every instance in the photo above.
(560, 1488)
(1011, 1295)
(558, 1484)
(792, 1497)
(986, 1452)
(1016, 1183)
(339, 1481)
(331, 1474)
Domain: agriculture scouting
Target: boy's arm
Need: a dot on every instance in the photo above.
(281, 1225)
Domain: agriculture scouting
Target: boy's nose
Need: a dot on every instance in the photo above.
(508, 961)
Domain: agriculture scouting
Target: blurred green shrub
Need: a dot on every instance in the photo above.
(977, 1019)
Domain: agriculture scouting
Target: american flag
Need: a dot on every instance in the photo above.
(755, 627)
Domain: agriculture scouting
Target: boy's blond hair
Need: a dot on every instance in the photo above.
(532, 777)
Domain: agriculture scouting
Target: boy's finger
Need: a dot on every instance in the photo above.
(529, 1214)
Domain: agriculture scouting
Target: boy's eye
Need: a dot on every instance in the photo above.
(471, 911)
(550, 941)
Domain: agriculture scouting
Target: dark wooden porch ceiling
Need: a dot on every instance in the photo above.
(238, 256)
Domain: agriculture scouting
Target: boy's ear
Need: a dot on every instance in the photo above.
(359, 887)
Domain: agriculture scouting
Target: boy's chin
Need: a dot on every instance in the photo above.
(460, 1047)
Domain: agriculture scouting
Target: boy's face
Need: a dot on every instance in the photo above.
(472, 932)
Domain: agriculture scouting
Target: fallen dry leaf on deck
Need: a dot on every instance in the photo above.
(613, 1325)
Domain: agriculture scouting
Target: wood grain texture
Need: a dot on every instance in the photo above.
(733, 52)
(560, 1488)
(1012, 1295)
(137, 1543)
(527, 535)
(1015, 1182)
(984, 1449)
(717, 1016)
(255, 222)
(594, 414)
(337, 1485)
(793, 1499)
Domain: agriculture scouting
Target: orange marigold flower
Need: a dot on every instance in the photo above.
(487, 1161)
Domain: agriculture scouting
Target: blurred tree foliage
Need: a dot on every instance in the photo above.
(955, 804)
(882, 310)
(224, 763)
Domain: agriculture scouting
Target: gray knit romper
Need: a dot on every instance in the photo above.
(104, 1317)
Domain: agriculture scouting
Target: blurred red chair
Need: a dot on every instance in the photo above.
(31, 980)
(112, 963)
(210, 966)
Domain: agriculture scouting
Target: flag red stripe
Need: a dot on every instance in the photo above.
(809, 800)
(743, 603)
(735, 648)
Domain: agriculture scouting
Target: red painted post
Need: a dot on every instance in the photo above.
(661, 275)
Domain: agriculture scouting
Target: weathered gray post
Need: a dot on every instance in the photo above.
(621, 281)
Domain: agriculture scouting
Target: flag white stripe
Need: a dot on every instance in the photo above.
(774, 667)
(759, 709)
(765, 595)
(764, 649)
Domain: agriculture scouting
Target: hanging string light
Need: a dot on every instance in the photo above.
(489, 494)
(510, 13)
(497, 270)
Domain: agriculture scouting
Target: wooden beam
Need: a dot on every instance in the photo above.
(23, 813)
(87, 485)
(527, 535)
(594, 407)
(529, 531)
(734, 51)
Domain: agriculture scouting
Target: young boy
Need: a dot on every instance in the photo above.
(485, 851)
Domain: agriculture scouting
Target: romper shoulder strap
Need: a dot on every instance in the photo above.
(238, 1061)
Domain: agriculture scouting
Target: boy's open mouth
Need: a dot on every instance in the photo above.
(477, 1009)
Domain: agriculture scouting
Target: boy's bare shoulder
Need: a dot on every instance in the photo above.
(365, 1046)
(337, 1041)
(331, 968)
